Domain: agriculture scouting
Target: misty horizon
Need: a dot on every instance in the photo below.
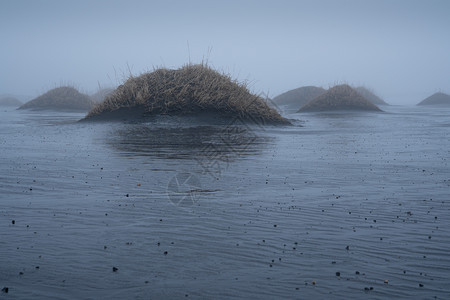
(398, 49)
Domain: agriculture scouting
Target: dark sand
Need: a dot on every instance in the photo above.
(167, 211)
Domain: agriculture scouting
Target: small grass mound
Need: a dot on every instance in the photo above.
(10, 101)
(340, 97)
(191, 90)
(61, 98)
(436, 99)
(370, 95)
(299, 97)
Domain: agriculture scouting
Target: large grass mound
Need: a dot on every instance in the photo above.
(10, 101)
(340, 97)
(370, 95)
(299, 97)
(436, 99)
(61, 98)
(191, 90)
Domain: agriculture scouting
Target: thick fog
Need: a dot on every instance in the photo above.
(400, 49)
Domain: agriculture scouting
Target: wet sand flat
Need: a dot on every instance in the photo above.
(346, 206)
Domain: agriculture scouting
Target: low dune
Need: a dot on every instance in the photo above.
(436, 99)
(10, 101)
(62, 98)
(192, 90)
(296, 98)
(340, 97)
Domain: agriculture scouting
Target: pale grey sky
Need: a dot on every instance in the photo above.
(398, 48)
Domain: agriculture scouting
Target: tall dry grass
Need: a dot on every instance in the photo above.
(188, 90)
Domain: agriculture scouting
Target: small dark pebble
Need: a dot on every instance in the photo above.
(146, 282)
(37, 267)
(5, 290)
(421, 285)
(347, 248)
(333, 262)
(20, 273)
(115, 269)
(338, 273)
(357, 272)
(159, 244)
(127, 195)
(13, 222)
(274, 225)
(165, 252)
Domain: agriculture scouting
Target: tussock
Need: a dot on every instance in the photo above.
(190, 90)
(340, 97)
(61, 98)
(436, 99)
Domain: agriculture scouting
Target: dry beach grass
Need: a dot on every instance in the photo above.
(189, 90)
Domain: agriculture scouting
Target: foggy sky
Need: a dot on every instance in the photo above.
(400, 49)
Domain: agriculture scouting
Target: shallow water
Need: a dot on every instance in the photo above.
(226, 211)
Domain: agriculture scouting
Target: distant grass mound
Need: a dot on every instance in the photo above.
(191, 90)
(61, 98)
(10, 101)
(370, 95)
(299, 97)
(340, 97)
(436, 99)
(101, 94)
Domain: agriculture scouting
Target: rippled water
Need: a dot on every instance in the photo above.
(226, 211)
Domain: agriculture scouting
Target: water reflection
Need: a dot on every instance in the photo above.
(226, 143)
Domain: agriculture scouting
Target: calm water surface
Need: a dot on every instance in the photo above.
(339, 206)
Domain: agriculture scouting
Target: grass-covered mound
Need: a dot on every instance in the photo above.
(10, 101)
(191, 90)
(61, 98)
(340, 97)
(299, 97)
(436, 99)
(370, 95)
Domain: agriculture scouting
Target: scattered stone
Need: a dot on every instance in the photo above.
(13, 222)
(357, 273)
(338, 274)
(420, 284)
(5, 290)
(165, 252)
(115, 269)
(347, 248)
